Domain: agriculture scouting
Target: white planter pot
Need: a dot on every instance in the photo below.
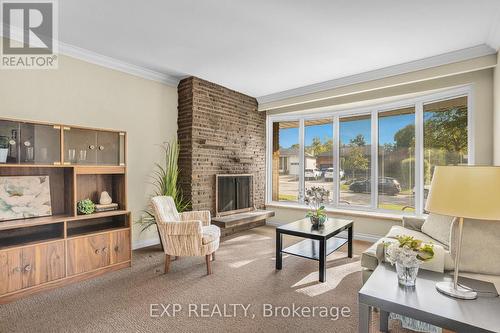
(3, 155)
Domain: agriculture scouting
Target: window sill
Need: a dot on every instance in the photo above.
(339, 211)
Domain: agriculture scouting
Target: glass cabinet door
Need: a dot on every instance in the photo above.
(9, 141)
(80, 146)
(40, 144)
(108, 148)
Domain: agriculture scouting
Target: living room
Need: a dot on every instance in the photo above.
(249, 166)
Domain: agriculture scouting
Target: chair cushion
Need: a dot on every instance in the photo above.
(438, 227)
(210, 234)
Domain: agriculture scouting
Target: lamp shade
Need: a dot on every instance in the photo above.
(465, 191)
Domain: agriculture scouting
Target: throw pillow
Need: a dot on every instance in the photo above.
(438, 227)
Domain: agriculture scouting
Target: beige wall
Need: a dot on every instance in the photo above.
(80, 93)
(482, 85)
(496, 130)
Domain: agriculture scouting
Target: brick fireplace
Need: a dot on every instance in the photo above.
(220, 131)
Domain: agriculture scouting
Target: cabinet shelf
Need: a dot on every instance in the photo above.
(25, 223)
(96, 224)
(98, 215)
(65, 247)
(32, 234)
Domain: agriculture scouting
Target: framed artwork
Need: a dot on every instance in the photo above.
(24, 196)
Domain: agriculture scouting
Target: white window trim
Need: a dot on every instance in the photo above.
(373, 110)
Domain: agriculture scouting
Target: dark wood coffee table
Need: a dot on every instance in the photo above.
(319, 243)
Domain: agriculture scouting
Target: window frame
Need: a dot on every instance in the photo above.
(373, 111)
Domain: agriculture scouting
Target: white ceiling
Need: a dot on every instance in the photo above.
(260, 47)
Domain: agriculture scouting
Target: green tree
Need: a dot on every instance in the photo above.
(355, 160)
(405, 137)
(447, 130)
(359, 141)
(317, 146)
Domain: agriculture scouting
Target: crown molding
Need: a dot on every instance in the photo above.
(422, 64)
(112, 63)
(102, 60)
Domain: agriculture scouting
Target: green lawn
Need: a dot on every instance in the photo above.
(287, 197)
(395, 207)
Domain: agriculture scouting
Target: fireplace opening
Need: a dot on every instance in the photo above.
(234, 193)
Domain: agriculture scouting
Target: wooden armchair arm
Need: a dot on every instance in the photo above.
(201, 215)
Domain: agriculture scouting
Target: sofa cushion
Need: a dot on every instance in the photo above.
(369, 258)
(480, 246)
(441, 261)
(438, 227)
(210, 234)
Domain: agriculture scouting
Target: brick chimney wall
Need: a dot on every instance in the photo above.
(220, 131)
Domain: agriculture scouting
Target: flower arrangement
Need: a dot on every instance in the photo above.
(408, 253)
(315, 197)
(85, 206)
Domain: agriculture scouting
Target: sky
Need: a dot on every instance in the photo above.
(388, 126)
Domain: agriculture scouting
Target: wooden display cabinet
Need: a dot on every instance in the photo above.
(46, 252)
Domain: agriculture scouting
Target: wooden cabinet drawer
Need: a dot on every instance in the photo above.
(42, 263)
(119, 246)
(10, 271)
(30, 266)
(87, 253)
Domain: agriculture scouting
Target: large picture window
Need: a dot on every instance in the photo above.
(445, 136)
(355, 160)
(286, 161)
(396, 159)
(318, 155)
(380, 159)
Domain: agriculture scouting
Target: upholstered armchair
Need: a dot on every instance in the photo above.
(185, 234)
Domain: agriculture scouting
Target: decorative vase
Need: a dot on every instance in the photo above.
(317, 221)
(407, 275)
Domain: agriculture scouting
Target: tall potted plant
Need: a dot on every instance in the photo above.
(164, 180)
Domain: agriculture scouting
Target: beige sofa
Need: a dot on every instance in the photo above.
(480, 258)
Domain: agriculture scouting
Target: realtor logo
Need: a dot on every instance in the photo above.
(29, 30)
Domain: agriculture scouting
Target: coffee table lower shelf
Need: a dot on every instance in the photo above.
(309, 248)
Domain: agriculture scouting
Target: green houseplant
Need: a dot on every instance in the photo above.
(315, 198)
(164, 181)
(85, 207)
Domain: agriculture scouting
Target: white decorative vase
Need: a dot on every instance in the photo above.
(105, 198)
(3, 155)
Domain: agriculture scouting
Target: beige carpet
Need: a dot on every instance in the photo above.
(243, 274)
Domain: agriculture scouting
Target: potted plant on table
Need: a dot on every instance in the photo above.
(407, 253)
(315, 198)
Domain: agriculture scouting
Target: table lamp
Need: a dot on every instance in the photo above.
(471, 192)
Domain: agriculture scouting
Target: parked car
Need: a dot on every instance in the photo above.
(312, 174)
(329, 174)
(386, 185)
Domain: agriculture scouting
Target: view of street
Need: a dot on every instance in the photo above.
(289, 184)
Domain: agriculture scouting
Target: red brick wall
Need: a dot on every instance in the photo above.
(219, 131)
